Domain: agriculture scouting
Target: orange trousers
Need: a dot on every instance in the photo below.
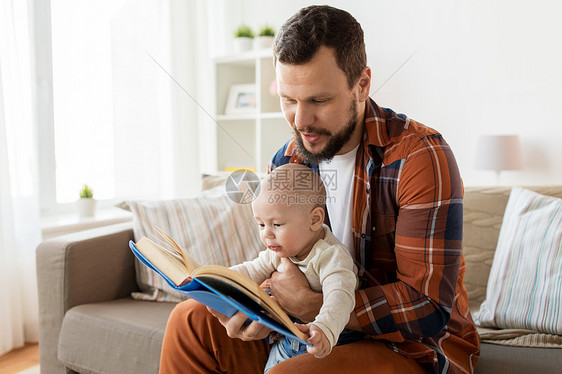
(195, 342)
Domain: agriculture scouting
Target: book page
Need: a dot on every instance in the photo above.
(167, 263)
(264, 305)
(235, 286)
(253, 289)
(191, 264)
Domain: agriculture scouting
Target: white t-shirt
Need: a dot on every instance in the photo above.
(337, 175)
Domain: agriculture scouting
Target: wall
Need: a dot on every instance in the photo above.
(476, 67)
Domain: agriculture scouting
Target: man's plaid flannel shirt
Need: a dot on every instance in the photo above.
(407, 229)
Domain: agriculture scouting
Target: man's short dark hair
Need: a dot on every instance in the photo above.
(304, 33)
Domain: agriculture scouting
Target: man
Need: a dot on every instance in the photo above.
(398, 205)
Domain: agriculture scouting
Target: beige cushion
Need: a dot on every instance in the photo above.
(524, 289)
(482, 218)
(483, 215)
(211, 181)
(211, 227)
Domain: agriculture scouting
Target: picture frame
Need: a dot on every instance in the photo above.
(242, 98)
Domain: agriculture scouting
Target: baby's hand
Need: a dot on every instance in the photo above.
(320, 344)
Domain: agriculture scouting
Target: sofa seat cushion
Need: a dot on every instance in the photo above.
(120, 336)
(518, 360)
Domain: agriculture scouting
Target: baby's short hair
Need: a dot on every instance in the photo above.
(295, 184)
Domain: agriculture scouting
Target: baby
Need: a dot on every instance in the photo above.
(290, 213)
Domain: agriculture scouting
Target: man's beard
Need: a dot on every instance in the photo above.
(335, 142)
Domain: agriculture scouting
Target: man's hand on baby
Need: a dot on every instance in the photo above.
(320, 344)
(292, 291)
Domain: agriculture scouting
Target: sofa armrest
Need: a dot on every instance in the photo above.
(86, 267)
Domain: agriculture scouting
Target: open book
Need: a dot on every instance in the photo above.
(218, 287)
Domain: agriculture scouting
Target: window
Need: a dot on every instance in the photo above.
(112, 112)
(118, 108)
(83, 97)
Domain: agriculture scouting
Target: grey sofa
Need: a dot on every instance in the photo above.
(90, 324)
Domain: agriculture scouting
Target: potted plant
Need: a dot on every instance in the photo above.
(86, 204)
(265, 38)
(243, 37)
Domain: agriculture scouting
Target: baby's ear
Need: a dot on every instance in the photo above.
(316, 218)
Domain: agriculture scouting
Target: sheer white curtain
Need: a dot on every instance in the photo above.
(159, 57)
(174, 52)
(19, 208)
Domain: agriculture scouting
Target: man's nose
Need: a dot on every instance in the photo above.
(303, 117)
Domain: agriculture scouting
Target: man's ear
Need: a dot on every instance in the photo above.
(364, 84)
(316, 218)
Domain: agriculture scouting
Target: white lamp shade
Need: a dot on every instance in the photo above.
(499, 152)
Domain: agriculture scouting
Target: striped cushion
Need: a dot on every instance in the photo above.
(211, 227)
(525, 285)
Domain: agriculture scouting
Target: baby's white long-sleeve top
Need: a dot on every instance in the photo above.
(329, 269)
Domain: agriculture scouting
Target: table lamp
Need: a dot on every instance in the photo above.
(499, 152)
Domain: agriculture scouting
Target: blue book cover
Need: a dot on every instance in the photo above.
(224, 296)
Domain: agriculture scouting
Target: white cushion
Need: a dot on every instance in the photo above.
(524, 289)
(211, 227)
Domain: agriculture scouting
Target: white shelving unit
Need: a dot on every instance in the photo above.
(248, 139)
